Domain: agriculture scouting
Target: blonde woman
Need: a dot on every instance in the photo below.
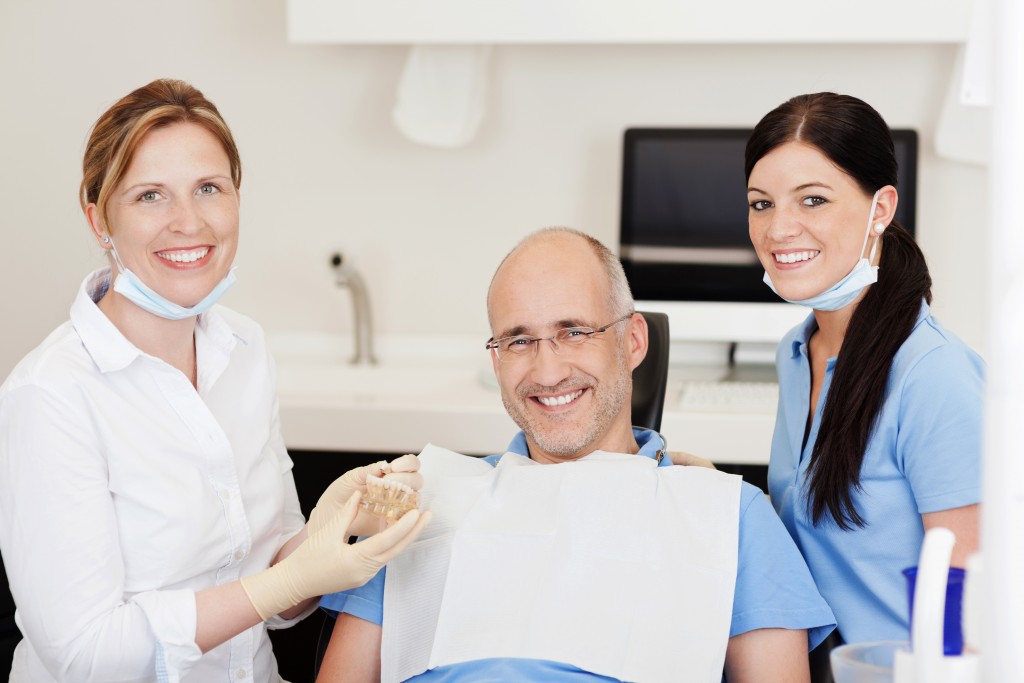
(148, 517)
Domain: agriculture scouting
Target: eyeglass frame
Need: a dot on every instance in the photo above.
(493, 344)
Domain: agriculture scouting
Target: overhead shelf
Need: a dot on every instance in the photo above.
(624, 21)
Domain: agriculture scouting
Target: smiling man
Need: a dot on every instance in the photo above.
(569, 394)
(605, 563)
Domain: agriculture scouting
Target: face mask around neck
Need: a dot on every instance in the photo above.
(128, 285)
(844, 292)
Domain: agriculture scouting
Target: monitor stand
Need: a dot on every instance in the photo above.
(751, 362)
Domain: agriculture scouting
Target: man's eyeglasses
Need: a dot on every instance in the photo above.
(569, 338)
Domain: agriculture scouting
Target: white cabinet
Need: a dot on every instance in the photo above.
(628, 21)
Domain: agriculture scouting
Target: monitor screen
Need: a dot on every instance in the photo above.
(683, 230)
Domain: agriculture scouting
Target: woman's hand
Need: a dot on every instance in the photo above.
(689, 459)
(404, 469)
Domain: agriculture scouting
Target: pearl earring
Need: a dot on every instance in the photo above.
(106, 240)
(879, 228)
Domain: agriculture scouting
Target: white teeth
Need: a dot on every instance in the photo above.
(184, 256)
(552, 401)
(795, 256)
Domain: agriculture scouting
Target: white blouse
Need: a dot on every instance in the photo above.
(123, 491)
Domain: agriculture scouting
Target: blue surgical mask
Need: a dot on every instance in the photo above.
(844, 292)
(135, 290)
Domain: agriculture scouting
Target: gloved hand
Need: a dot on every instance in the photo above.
(405, 469)
(326, 563)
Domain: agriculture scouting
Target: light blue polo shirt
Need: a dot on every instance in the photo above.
(773, 589)
(924, 455)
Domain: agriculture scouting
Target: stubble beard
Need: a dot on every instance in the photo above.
(556, 434)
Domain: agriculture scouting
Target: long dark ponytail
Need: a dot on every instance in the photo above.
(854, 137)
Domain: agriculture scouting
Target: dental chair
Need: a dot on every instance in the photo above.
(650, 379)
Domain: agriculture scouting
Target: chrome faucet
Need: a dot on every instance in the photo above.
(347, 276)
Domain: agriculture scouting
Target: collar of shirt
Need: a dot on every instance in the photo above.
(809, 326)
(111, 351)
(651, 443)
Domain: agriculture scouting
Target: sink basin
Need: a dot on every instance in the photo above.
(418, 370)
(422, 390)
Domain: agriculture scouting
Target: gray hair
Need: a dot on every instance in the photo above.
(620, 298)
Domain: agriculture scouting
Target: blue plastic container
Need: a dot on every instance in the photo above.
(952, 631)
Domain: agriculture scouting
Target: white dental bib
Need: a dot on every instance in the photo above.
(609, 563)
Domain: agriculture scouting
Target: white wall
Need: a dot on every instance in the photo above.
(325, 169)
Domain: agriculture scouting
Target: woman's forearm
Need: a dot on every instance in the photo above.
(222, 612)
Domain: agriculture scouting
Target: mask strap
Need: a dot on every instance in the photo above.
(871, 219)
(121, 268)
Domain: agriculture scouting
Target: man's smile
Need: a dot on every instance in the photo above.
(559, 400)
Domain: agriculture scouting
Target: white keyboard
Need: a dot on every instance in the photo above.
(729, 397)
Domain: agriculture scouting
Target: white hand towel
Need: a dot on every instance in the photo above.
(441, 94)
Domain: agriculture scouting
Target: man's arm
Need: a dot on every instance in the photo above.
(353, 655)
(774, 588)
(768, 655)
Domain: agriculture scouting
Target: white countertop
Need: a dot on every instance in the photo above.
(443, 391)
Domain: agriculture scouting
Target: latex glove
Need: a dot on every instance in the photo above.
(683, 458)
(405, 469)
(326, 563)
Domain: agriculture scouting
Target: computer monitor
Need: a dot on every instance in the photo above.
(683, 232)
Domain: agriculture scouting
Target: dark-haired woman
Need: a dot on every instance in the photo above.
(878, 434)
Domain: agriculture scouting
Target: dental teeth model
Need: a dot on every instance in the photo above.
(388, 498)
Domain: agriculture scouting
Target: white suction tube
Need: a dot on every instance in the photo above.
(930, 605)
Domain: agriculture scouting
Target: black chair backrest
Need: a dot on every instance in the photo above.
(650, 378)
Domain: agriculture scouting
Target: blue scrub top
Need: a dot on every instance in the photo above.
(924, 455)
(773, 589)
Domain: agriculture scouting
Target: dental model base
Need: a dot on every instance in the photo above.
(388, 498)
